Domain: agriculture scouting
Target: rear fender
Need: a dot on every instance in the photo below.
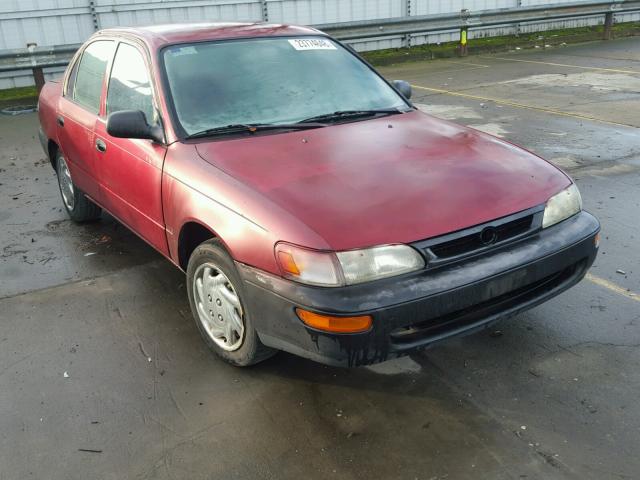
(47, 114)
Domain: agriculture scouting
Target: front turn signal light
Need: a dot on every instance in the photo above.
(308, 266)
(333, 324)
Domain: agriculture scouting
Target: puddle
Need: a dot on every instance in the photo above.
(492, 129)
(566, 162)
(611, 82)
(58, 225)
(449, 112)
(396, 366)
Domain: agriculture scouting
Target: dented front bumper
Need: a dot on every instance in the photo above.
(415, 310)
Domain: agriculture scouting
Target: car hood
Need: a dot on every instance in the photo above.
(395, 179)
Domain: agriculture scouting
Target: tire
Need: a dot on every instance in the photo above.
(78, 206)
(215, 295)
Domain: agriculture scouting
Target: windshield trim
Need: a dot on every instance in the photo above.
(173, 114)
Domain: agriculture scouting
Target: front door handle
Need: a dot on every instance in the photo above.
(60, 120)
(101, 146)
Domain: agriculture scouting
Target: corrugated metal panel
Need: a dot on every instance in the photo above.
(309, 12)
(580, 22)
(434, 7)
(46, 31)
(195, 13)
(39, 5)
(529, 3)
(629, 17)
(45, 22)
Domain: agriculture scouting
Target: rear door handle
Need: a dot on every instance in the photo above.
(101, 146)
(60, 120)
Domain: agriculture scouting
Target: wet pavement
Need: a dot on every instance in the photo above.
(103, 374)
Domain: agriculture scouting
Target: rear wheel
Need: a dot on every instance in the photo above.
(77, 205)
(215, 295)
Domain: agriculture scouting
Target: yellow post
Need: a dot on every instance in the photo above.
(463, 42)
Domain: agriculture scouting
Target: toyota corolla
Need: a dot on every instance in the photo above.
(312, 207)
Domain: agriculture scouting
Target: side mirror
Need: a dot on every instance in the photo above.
(403, 87)
(133, 124)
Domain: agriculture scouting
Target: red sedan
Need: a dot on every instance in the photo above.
(312, 207)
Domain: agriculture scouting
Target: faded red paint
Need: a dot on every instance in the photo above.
(365, 183)
(396, 179)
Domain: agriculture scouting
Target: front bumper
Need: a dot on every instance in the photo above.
(415, 310)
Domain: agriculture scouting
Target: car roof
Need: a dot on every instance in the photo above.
(157, 36)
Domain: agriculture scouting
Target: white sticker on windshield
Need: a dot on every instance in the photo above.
(312, 44)
(190, 50)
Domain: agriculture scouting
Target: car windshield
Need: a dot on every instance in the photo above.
(269, 81)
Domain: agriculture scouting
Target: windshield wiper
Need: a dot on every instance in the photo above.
(252, 128)
(351, 114)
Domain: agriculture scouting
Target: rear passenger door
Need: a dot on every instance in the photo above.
(78, 111)
(130, 170)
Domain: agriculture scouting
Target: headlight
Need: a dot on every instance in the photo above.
(379, 262)
(334, 269)
(562, 205)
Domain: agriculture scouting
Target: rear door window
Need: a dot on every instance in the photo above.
(87, 89)
(130, 85)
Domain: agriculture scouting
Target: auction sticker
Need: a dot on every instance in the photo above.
(312, 44)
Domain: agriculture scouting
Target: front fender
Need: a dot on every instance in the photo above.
(246, 222)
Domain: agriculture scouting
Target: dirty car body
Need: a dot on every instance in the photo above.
(357, 228)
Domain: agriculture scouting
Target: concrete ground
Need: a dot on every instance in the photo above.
(103, 374)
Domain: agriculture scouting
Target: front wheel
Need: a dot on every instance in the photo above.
(77, 205)
(215, 295)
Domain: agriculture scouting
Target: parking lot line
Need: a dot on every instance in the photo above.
(612, 287)
(468, 63)
(522, 105)
(464, 69)
(601, 69)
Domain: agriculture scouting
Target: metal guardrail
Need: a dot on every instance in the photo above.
(472, 20)
(36, 59)
(25, 59)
